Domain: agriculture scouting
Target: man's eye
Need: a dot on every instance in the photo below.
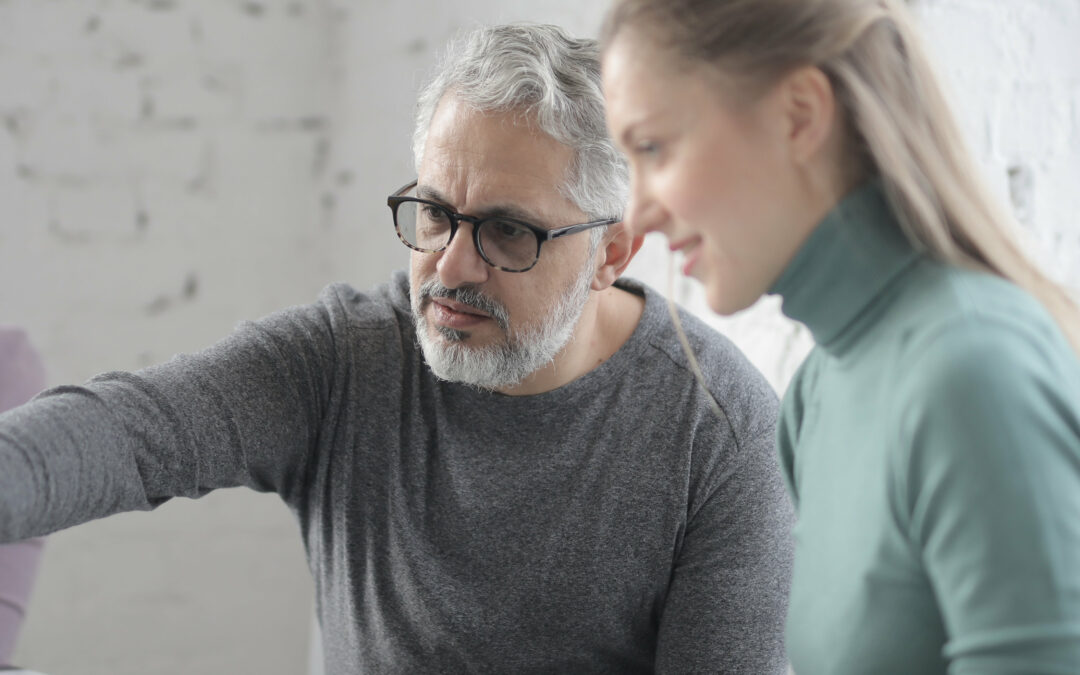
(505, 230)
(433, 213)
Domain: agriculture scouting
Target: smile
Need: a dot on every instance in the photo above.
(691, 251)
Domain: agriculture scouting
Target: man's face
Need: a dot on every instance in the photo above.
(475, 323)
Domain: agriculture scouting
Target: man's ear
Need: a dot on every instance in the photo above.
(617, 249)
(809, 111)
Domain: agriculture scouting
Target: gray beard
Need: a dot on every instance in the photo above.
(506, 363)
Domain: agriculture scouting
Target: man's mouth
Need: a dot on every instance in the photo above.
(458, 310)
(457, 315)
(460, 307)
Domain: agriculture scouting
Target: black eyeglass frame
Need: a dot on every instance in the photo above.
(542, 235)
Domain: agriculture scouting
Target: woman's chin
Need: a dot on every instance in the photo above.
(724, 302)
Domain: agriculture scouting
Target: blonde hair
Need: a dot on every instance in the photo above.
(895, 111)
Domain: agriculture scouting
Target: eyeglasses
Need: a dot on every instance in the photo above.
(504, 243)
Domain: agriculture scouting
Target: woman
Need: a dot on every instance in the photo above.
(21, 376)
(931, 442)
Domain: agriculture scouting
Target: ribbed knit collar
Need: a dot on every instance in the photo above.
(844, 265)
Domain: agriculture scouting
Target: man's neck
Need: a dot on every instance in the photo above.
(606, 323)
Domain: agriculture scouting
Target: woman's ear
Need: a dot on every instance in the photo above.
(617, 249)
(808, 105)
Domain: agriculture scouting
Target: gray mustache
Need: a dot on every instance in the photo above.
(466, 295)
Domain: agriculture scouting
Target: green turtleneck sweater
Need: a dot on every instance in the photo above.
(931, 444)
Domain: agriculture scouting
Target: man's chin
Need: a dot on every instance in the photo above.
(451, 335)
(457, 361)
(450, 344)
(482, 336)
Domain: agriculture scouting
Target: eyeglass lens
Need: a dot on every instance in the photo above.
(503, 243)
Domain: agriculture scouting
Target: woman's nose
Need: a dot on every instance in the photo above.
(643, 215)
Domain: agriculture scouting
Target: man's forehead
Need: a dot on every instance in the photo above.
(475, 160)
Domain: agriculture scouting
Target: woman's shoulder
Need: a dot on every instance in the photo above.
(982, 359)
(947, 315)
(971, 347)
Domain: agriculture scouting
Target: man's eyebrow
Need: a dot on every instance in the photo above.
(430, 193)
(493, 211)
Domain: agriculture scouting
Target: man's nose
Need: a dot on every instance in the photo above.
(460, 263)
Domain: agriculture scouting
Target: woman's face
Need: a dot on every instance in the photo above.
(715, 176)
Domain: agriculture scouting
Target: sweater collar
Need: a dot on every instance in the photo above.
(846, 262)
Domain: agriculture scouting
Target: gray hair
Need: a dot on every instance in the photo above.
(555, 79)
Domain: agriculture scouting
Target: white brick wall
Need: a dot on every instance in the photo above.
(170, 167)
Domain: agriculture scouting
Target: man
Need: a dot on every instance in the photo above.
(501, 462)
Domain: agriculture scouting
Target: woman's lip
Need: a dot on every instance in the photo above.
(691, 251)
(690, 261)
(446, 315)
(692, 242)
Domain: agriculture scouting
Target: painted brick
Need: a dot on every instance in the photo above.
(143, 36)
(8, 151)
(53, 31)
(188, 97)
(34, 81)
(107, 93)
(1032, 122)
(94, 211)
(66, 148)
(26, 207)
(161, 152)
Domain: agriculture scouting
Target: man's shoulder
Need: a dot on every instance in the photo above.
(378, 307)
(343, 319)
(718, 357)
(738, 387)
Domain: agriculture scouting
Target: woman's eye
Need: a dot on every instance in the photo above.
(646, 148)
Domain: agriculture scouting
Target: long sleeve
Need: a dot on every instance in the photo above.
(245, 411)
(993, 493)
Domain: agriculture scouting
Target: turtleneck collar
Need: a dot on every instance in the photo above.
(850, 257)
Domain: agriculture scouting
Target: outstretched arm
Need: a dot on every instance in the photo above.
(243, 412)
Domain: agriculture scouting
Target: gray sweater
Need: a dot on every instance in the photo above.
(614, 525)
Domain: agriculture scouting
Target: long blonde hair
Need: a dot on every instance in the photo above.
(895, 111)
